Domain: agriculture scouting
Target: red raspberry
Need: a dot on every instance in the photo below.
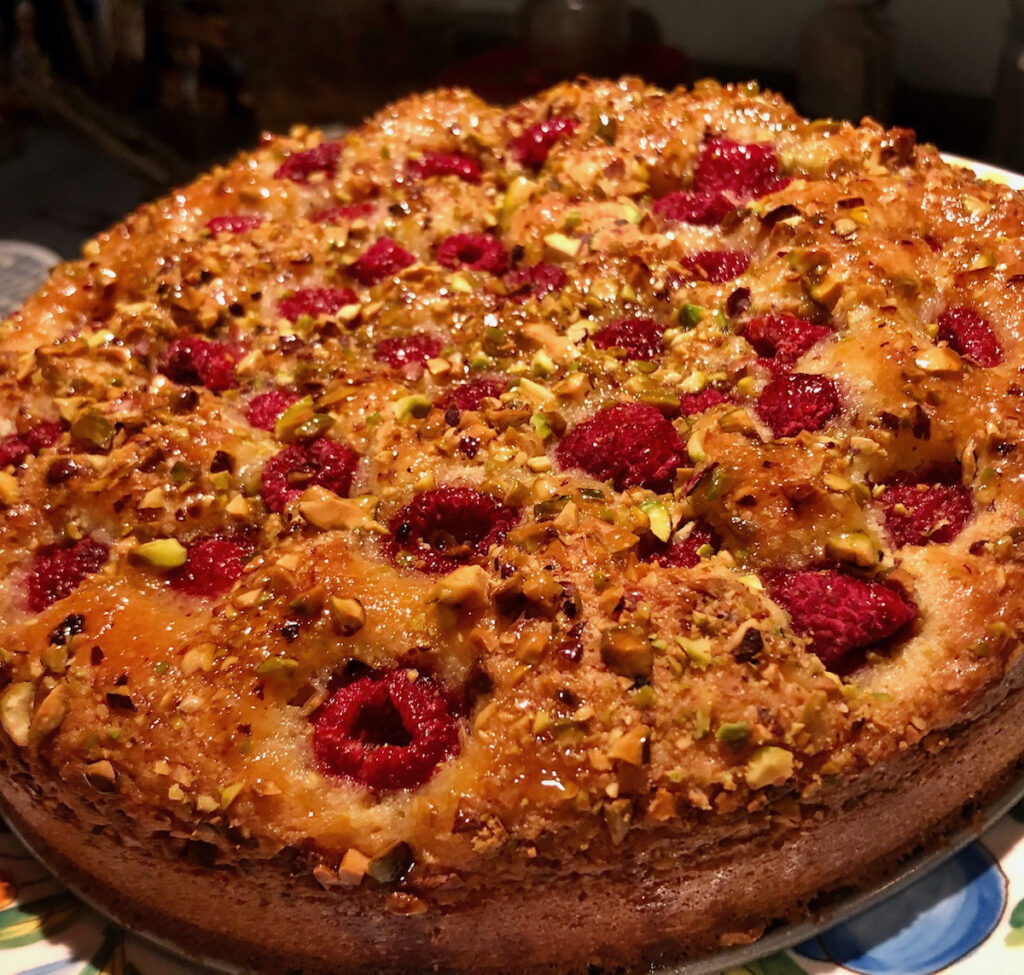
(214, 565)
(971, 334)
(469, 396)
(57, 570)
(315, 302)
(323, 462)
(449, 526)
(198, 362)
(691, 404)
(640, 337)
(386, 731)
(444, 164)
(629, 443)
(706, 208)
(478, 252)
(352, 211)
(798, 401)
(15, 447)
(384, 259)
(745, 171)
(531, 148)
(405, 350)
(300, 166)
(717, 266)
(684, 554)
(839, 612)
(535, 281)
(233, 223)
(916, 514)
(265, 409)
(783, 337)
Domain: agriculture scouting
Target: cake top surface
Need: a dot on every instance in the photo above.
(497, 480)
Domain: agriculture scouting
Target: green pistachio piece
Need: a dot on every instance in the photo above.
(162, 553)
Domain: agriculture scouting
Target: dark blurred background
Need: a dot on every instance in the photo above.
(106, 103)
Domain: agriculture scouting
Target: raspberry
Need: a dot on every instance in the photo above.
(444, 164)
(535, 281)
(233, 223)
(744, 170)
(697, 206)
(684, 554)
(717, 266)
(57, 570)
(449, 526)
(15, 447)
(198, 362)
(629, 443)
(323, 462)
(970, 334)
(265, 409)
(798, 401)
(692, 403)
(352, 211)
(478, 252)
(640, 337)
(404, 350)
(300, 166)
(783, 337)
(384, 259)
(469, 396)
(916, 514)
(214, 564)
(315, 302)
(840, 613)
(531, 148)
(386, 731)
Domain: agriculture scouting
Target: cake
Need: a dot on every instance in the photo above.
(517, 539)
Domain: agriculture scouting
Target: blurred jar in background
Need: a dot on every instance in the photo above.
(1008, 121)
(569, 37)
(847, 61)
(321, 61)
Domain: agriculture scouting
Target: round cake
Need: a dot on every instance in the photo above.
(517, 539)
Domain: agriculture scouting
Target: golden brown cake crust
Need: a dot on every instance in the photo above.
(660, 450)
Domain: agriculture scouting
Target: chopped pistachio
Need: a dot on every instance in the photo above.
(939, 360)
(466, 586)
(16, 710)
(690, 315)
(101, 775)
(326, 510)
(769, 765)
(347, 614)
(51, 712)
(659, 518)
(281, 666)
(230, 793)
(417, 405)
(9, 491)
(630, 747)
(695, 446)
(733, 733)
(853, 547)
(697, 650)
(162, 553)
(627, 651)
(91, 430)
(563, 246)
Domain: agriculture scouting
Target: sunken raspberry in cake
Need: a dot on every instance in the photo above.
(517, 539)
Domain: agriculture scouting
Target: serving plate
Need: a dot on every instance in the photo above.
(958, 910)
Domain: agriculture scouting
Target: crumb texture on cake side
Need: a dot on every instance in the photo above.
(574, 510)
